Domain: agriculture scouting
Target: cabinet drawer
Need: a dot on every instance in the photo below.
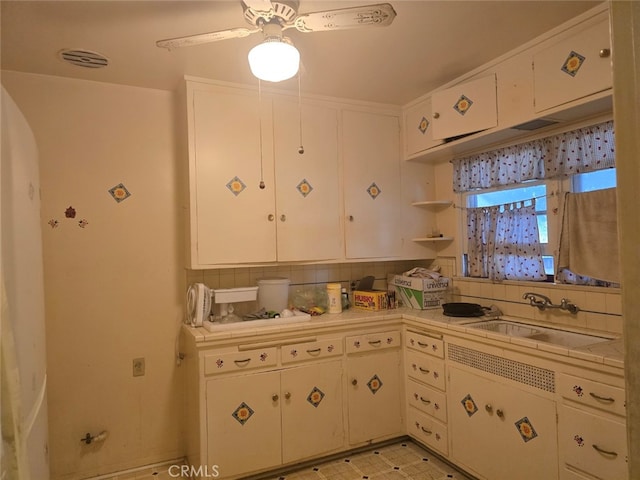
(373, 341)
(427, 400)
(593, 444)
(236, 361)
(426, 369)
(425, 343)
(300, 352)
(427, 430)
(594, 394)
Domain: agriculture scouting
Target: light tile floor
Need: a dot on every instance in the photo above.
(403, 460)
(397, 461)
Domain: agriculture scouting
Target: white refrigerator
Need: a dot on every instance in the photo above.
(23, 373)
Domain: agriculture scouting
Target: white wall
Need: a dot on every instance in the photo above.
(114, 289)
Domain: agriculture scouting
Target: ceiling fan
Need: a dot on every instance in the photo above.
(273, 17)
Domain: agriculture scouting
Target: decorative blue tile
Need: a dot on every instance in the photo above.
(119, 193)
(463, 105)
(526, 430)
(374, 384)
(304, 188)
(242, 413)
(423, 126)
(236, 186)
(374, 190)
(573, 63)
(469, 405)
(315, 397)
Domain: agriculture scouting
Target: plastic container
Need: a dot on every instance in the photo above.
(273, 294)
(334, 295)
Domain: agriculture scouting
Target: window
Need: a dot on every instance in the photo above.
(548, 196)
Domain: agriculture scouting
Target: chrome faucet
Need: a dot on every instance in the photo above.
(543, 302)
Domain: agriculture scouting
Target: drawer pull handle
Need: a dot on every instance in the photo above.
(426, 402)
(314, 351)
(428, 432)
(423, 345)
(602, 399)
(242, 363)
(604, 452)
(424, 370)
(375, 343)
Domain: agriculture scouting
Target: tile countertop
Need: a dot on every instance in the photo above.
(607, 352)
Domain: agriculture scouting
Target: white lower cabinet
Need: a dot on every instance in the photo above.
(262, 420)
(374, 387)
(592, 432)
(500, 432)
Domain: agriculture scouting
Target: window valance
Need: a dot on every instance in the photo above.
(578, 151)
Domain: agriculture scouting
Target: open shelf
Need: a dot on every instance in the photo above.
(432, 239)
(433, 203)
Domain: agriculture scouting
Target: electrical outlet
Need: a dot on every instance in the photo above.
(138, 367)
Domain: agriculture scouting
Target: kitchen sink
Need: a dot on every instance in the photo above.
(554, 336)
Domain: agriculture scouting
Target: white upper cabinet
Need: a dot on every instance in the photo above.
(573, 68)
(307, 185)
(418, 129)
(232, 219)
(465, 108)
(296, 217)
(372, 194)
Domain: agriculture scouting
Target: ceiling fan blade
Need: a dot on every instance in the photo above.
(259, 6)
(380, 15)
(206, 37)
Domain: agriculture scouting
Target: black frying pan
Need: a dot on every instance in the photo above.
(461, 309)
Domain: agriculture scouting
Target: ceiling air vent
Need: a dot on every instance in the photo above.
(84, 58)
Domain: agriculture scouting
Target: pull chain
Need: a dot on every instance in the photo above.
(262, 185)
(301, 147)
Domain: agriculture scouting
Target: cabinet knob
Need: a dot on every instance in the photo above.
(354, 382)
(271, 217)
(436, 115)
(351, 218)
(488, 408)
(604, 53)
(287, 395)
(275, 397)
(283, 218)
(500, 413)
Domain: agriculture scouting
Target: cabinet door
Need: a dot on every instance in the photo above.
(243, 423)
(418, 131)
(499, 431)
(573, 68)
(312, 411)
(307, 185)
(374, 396)
(229, 212)
(371, 156)
(465, 108)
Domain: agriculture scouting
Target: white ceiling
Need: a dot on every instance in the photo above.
(429, 43)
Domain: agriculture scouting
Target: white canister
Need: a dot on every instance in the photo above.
(334, 295)
(273, 294)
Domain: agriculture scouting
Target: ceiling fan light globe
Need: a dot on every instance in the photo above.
(274, 60)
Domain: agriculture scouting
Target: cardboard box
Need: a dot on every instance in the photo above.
(370, 299)
(421, 293)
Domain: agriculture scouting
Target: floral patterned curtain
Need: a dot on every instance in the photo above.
(503, 243)
(578, 151)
